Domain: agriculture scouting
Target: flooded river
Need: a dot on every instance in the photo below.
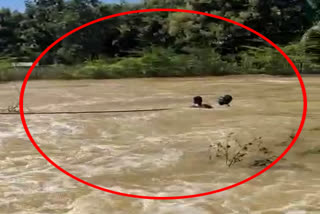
(164, 153)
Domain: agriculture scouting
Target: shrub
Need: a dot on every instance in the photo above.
(162, 62)
(270, 61)
(5, 69)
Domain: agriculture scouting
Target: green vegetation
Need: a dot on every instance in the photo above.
(5, 70)
(160, 44)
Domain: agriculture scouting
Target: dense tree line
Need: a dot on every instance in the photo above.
(23, 36)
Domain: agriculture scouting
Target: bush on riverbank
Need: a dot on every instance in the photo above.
(5, 69)
(160, 62)
(270, 61)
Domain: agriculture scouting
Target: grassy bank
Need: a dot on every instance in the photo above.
(159, 62)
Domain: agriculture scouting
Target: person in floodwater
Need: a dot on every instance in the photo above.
(225, 100)
(197, 103)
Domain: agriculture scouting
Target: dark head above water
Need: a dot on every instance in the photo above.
(197, 102)
(225, 100)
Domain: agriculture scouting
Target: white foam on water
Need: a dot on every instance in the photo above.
(63, 128)
(6, 135)
(277, 81)
(145, 162)
(181, 208)
(91, 160)
(81, 102)
(11, 129)
(296, 212)
(51, 128)
(164, 159)
(141, 116)
(117, 204)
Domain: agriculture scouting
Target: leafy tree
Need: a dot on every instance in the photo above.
(311, 42)
(187, 37)
(9, 32)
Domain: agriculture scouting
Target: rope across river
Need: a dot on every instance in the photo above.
(197, 102)
(87, 112)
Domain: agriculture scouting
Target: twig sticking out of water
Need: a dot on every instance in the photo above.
(240, 150)
(287, 141)
(292, 135)
(210, 151)
(13, 108)
(243, 150)
(231, 159)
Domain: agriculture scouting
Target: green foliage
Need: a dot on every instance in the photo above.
(270, 61)
(162, 44)
(314, 11)
(311, 42)
(157, 62)
(5, 66)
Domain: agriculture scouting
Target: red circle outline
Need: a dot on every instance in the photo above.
(304, 113)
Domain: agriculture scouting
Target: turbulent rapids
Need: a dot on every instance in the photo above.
(159, 153)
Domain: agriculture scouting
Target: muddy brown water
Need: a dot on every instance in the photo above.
(163, 153)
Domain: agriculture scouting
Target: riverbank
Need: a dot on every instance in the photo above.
(72, 73)
(160, 62)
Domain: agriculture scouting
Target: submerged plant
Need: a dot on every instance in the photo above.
(234, 152)
(13, 108)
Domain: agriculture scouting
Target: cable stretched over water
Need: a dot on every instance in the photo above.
(87, 112)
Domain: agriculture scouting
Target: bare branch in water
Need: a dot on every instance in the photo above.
(240, 150)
